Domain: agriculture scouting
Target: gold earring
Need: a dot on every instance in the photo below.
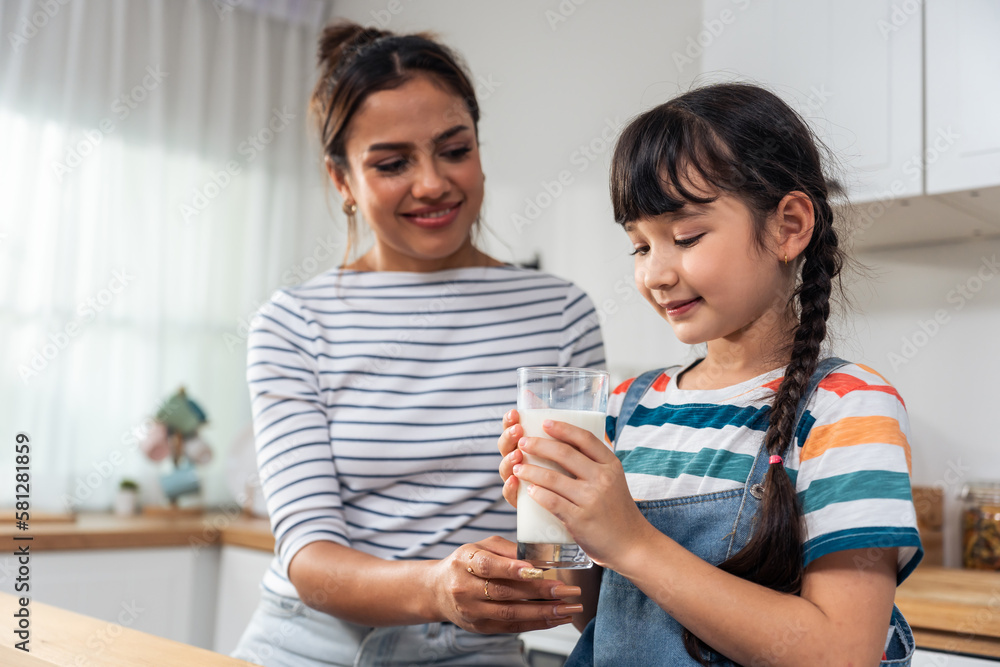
(786, 259)
(350, 208)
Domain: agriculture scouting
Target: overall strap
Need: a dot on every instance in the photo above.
(823, 368)
(754, 489)
(633, 395)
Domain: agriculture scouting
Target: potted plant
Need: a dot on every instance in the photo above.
(127, 498)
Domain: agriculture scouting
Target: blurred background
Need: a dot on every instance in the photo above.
(160, 181)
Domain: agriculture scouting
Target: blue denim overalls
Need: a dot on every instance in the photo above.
(630, 629)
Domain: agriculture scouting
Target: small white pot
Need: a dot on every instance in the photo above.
(126, 503)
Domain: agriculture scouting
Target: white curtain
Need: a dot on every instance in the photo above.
(158, 183)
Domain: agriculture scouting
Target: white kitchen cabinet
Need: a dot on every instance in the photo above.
(963, 94)
(169, 592)
(853, 68)
(936, 659)
(240, 573)
(557, 641)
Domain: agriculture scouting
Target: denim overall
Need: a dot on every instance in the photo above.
(284, 632)
(630, 629)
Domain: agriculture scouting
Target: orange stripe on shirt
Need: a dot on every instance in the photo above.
(774, 384)
(843, 383)
(873, 372)
(660, 383)
(623, 387)
(851, 431)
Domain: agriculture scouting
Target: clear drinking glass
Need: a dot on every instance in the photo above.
(577, 396)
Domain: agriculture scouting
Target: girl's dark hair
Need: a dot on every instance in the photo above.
(356, 61)
(744, 141)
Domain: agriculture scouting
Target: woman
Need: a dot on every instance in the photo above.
(378, 388)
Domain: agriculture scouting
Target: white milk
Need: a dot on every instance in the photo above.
(534, 523)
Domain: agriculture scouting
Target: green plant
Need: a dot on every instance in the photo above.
(128, 485)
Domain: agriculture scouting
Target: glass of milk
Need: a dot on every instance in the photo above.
(577, 396)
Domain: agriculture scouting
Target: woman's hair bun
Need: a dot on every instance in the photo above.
(342, 40)
(355, 61)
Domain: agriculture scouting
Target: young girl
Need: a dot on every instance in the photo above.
(756, 509)
(377, 389)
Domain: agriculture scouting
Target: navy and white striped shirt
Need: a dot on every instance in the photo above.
(377, 401)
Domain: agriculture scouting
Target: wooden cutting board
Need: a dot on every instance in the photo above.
(955, 608)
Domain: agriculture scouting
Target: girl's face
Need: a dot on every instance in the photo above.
(414, 172)
(702, 271)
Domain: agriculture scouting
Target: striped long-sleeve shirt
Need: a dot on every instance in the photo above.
(377, 401)
(850, 462)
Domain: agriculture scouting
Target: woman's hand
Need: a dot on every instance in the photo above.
(507, 444)
(596, 507)
(479, 588)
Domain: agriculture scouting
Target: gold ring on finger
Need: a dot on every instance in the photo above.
(486, 590)
(471, 556)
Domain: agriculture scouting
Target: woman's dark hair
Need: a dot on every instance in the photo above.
(744, 141)
(356, 61)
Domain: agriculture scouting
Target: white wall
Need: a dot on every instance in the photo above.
(947, 370)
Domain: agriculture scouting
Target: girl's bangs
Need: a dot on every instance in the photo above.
(652, 165)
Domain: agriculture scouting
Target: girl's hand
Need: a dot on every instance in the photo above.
(507, 444)
(479, 588)
(596, 507)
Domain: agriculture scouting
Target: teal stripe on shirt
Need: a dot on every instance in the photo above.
(702, 415)
(719, 464)
(863, 485)
(882, 537)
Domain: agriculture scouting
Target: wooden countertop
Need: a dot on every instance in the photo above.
(105, 531)
(60, 637)
(949, 609)
(953, 610)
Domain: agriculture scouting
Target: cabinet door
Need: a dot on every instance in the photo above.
(168, 592)
(963, 94)
(851, 67)
(240, 573)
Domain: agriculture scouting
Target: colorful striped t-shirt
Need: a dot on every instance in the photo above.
(850, 461)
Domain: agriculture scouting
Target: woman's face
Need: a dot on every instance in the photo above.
(414, 173)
